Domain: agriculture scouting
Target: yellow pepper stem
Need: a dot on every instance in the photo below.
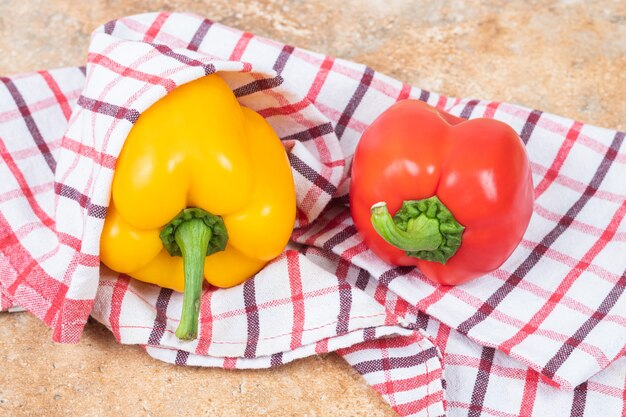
(193, 234)
(193, 238)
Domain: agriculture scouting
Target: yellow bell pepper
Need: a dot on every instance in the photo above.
(202, 188)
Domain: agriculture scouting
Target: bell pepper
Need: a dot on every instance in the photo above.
(460, 191)
(202, 189)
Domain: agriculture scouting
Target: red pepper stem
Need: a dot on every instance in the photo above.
(192, 236)
(424, 229)
(424, 235)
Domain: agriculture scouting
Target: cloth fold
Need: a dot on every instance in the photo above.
(555, 310)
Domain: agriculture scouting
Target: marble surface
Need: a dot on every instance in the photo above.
(565, 57)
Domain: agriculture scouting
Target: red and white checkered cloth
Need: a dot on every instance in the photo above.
(543, 335)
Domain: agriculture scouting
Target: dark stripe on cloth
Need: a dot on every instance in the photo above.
(167, 51)
(283, 57)
(564, 222)
(93, 210)
(378, 365)
(311, 175)
(354, 102)
(109, 109)
(252, 314)
(579, 401)
(422, 320)
(345, 306)
(109, 26)
(258, 85)
(160, 321)
(362, 279)
(33, 129)
(394, 273)
(583, 331)
(340, 237)
(276, 359)
(424, 95)
(468, 109)
(181, 357)
(482, 381)
(198, 37)
(311, 133)
(530, 124)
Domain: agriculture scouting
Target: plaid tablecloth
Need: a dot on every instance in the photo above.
(543, 335)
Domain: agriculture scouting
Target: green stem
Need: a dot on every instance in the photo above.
(193, 239)
(424, 229)
(193, 234)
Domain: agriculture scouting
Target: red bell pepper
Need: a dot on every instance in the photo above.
(461, 191)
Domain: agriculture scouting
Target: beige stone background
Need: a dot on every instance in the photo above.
(566, 57)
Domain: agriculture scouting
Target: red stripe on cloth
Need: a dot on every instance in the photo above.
(479, 409)
(106, 62)
(59, 298)
(405, 92)
(530, 393)
(559, 159)
(579, 186)
(206, 322)
(386, 367)
(117, 298)
(17, 192)
(297, 298)
(609, 391)
(413, 407)
(531, 260)
(69, 324)
(334, 222)
(58, 94)
(443, 334)
(46, 220)
(37, 106)
(586, 228)
(285, 110)
(321, 346)
(490, 109)
(439, 292)
(624, 398)
(320, 78)
(28, 273)
(240, 47)
(408, 384)
(441, 103)
(566, 284)
(156, 26)
(101, 158)
(583, 331)
(230, 363)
